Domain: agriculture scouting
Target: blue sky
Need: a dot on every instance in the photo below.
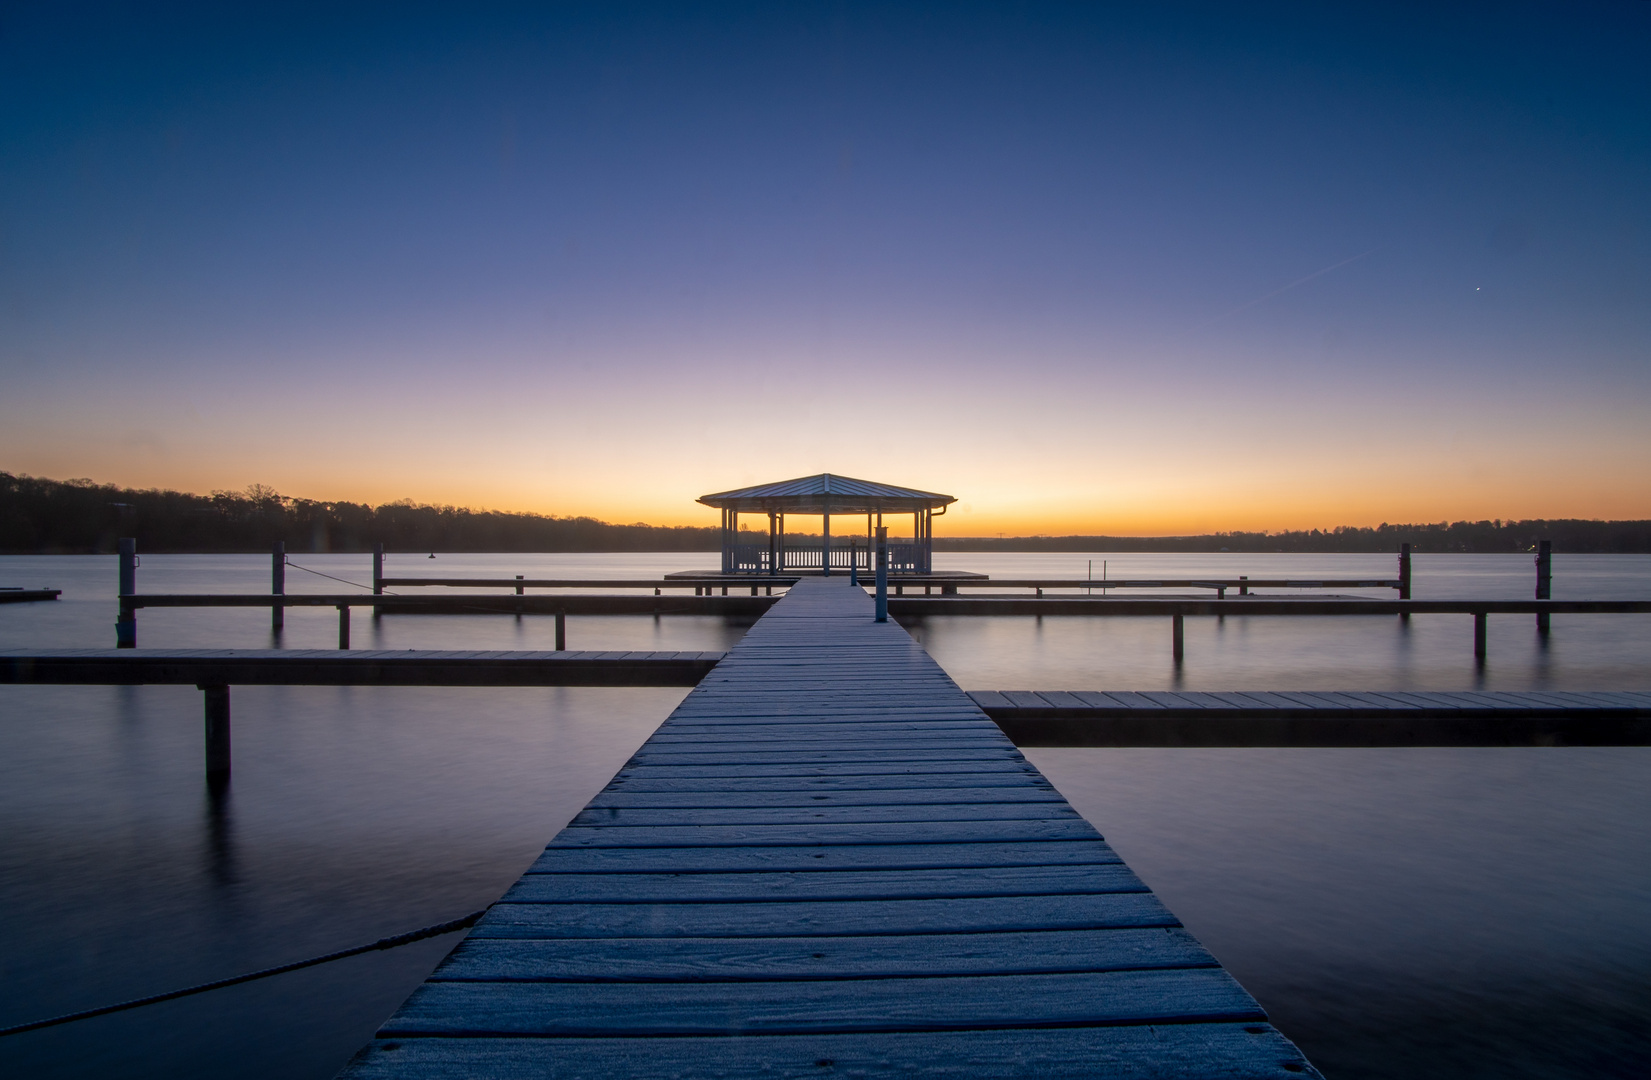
(1089, 268)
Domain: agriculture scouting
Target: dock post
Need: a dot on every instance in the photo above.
(519, 588)
(126, 623)
(378, 570)
(1479, 636)
(882, 574)
(1243, 590)
(1544, 580)
(217, 734)
(1404, 578)
(1177, 639)
(343, 626)
(825, 544)
(854, 561)
(277, 583)
(561, 631)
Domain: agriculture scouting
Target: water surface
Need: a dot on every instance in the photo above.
(1410, 913)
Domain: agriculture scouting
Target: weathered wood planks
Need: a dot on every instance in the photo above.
(828, 860)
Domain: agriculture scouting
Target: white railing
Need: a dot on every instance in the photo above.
(754, 558)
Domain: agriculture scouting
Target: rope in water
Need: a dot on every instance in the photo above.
(382, 943)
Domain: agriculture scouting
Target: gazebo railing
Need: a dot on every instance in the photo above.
(754, 558)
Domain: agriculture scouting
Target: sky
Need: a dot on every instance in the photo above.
(1115, 269)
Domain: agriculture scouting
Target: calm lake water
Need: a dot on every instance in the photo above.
(1400, 913)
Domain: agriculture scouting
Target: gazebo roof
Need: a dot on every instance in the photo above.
(827, 492)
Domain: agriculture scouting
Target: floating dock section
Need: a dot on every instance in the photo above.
(829, 862)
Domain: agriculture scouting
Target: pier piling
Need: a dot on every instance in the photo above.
(343, 626)
(561, 631)
(1544, 580)
(277, 584)
(1479, 619)
(1177, 638)
(126, 623)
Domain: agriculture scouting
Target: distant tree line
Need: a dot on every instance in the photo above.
(1568, 535)
(39, 516)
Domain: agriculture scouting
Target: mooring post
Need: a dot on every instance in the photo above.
(1177, 642)
(1243, 590)
(854, 561)
(561, 631)
(378, 570)
(519, 588)
(882, 574)
(277, 583)
(1404, 578)
(217, 733)
(343, 626)
(1544, 580)
(126, 622)
(1479, 636)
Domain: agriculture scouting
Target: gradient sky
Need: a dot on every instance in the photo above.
(1088, 268)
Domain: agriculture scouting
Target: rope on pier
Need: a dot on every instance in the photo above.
(382, 943)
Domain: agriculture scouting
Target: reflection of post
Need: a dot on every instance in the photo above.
(217, 734)
(1544, 580)
(882, 574)
(277, 583)
(126, 623)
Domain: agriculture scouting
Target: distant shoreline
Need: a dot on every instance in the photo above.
(79, 517)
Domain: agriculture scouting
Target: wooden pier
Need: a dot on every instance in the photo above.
(10, 595)
(829, 862)
(1320, 718)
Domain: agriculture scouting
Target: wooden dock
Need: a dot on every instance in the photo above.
(1320, 718)
(829, 862)
(10, 595)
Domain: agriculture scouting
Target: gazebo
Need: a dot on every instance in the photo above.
(826, 495)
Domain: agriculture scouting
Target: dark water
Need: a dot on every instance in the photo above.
(1411, 913)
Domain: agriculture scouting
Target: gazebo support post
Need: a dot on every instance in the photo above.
(773, 560)
(825, 543)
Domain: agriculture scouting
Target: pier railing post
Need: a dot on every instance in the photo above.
(562, 631)
(126, 622)
(217, 734)
(343, 626)
(277, 583)
(882, 574)
(1544, 580)
(1178, 638)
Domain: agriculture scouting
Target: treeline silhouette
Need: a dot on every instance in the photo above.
(1568, 535)
(39, 516)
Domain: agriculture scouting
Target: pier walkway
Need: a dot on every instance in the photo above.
(828, 861)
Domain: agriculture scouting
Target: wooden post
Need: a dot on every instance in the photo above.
(217, 734)
(825, 543)
(853, 562)
(1177, 640)
(561, 631)
(782, 543)
(277, 583)
(882, 575)
(1479, 636)
(126, 622)
(773, 550)
(1544, 580)
(1243, 590)
(378, 570)
(343, 626)
(1404, 578)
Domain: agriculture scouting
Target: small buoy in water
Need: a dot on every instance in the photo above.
(432, 554)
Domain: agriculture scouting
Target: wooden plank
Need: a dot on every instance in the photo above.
(699, 860)
(821, 1006)
(820, 813)
(871, 832)
(840, 957)
(947, 883)
(734, 795)
(1204, 1051)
